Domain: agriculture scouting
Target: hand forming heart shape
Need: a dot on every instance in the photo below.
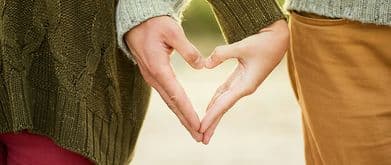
(153, 42)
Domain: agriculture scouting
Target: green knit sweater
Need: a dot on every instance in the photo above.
(366, 11)
(62, 74)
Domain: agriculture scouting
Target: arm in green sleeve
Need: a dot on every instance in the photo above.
(239, 19)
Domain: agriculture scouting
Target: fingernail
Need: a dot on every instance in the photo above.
(206, 142)
(208, 63)
(200, 62)
(200, 137)
(197, 137)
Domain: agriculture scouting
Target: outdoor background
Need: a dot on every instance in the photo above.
(262, 129)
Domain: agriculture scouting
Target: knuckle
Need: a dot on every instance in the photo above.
(218, 53)
(173, 99)
(249, 90)
(172, 32)
(157, 71)
(171, 103)
(192, 56)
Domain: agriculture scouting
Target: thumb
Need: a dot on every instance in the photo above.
(186, 49)
(219, 55)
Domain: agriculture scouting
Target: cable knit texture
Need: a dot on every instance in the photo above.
(239, 19)
(62, 74)
(366, 11)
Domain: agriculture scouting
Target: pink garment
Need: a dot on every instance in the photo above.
(24, 148)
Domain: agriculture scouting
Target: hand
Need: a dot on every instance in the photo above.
(151, 44)
(257, 56)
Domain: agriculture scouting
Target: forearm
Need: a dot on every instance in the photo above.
(239, 19)
(131, 13)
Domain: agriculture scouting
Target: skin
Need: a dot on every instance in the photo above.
(153, 41)
(257, 56)
(151, 44)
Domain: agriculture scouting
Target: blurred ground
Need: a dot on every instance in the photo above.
(264, 128)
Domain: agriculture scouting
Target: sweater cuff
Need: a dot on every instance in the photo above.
(131, 13)
(239, 19)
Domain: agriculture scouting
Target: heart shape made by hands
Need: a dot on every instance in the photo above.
(153, 42)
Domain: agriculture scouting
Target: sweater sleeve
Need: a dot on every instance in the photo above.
(239, 19)
(131, 13)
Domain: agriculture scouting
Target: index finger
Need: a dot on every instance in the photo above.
(177, 96)
(221, 105)
(185, 48)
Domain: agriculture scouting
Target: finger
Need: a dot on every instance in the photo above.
(186, 49)
(210, 131)
(217, 94)
(176, 95)
(227, 84)
(194, 133)
(150, 80)
(219, 55)
(222, 104)
(224, 88)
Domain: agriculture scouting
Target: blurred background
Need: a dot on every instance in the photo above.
(264, 128)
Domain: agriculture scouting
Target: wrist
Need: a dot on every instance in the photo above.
(279, 28)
